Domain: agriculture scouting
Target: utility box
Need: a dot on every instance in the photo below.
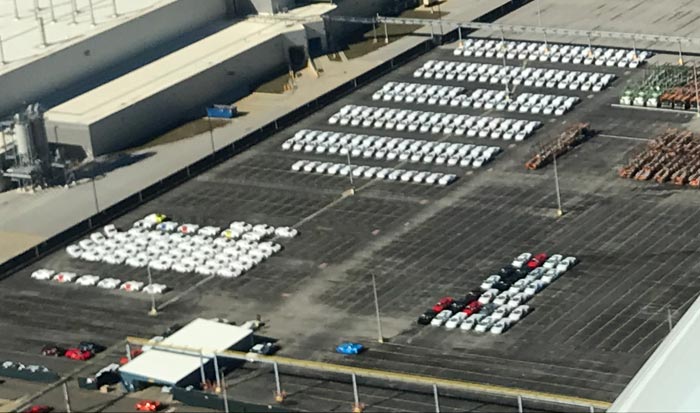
(222, 111)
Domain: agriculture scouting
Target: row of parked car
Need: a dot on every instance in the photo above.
(514, 75)
(501, 299)
(391, 149)
(163, 245)
(535, 103)
(552, 52)
(435, 122)
(89, 280)
(374, 172)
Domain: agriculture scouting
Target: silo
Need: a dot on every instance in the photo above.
(23, 139)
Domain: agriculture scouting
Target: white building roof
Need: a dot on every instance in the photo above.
(172, 69)
(200, 335)
(668, 381)
(21, 39)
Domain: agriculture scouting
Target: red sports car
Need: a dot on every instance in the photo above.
(38, 408)
(77, 354)
(472, 308)
(148, 406)
(537, 260)
(443, 304)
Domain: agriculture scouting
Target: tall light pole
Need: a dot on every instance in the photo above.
(697, 94)
(211, 136)
(560, 212)
(154, 311)
(380, 336)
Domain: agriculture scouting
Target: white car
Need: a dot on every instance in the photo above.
(552, 261)
(533, 288)
(550, 276)
(286, 232)
(183, 267)
(229, 272)
(502, 298)
(490, 281)
(87, 280)
(132, 286)
(209, 231)
(188, 228)
(137, 262)
(161, 264)
(472, 321)
(519, 313)
(74, 251)
(500, 313)
(488, 296)
(108, 283)
(43, 274)
(456, 320)
(484, 325)
(517, 287)
(110, 230)
(517, 300)
(65, 277)
(155, 289)
(167, 226)
(501, 326)
(91, 256)
(97, 237)
(565, 264)
(521, 260)
(441, 318)
(447, 179)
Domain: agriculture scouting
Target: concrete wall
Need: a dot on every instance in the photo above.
(246, 7)
(38, 80)
(227, 82)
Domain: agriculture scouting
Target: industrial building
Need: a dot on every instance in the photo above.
(196, 361)
(161, 95)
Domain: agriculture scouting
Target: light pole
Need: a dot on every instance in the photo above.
(211, 136)
(153, 312)
(380, 336)
(697, 94)
(539, 23)
(560, 212)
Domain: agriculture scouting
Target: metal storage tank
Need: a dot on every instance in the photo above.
(23, 139)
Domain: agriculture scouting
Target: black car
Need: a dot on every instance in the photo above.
(507, 271)
(472, 296)
(53, 351)
(90, 346)
(426, 317)
(502, 285)
(458, 305)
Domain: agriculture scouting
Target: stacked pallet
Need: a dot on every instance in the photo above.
(570, 138)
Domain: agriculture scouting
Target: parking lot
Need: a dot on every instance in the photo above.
(589, 331)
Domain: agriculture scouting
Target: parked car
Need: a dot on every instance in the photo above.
(148, 406)
(537, 261)
(78, 354)
(521, 259)
(442, 304)
(267, 348)
(501, 326)
(472, 321)
(43, 274)
(441, 318)
(456, 320)
(519, 313)
(427, 317)
(38, 408)
(53, 350)
(484, 325)
(91, 346)
(349, 348)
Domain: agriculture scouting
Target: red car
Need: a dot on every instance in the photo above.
(148, 406)
(78, 354)
(472, 308)
(537, 260)
(443, 304)
(38, 408)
